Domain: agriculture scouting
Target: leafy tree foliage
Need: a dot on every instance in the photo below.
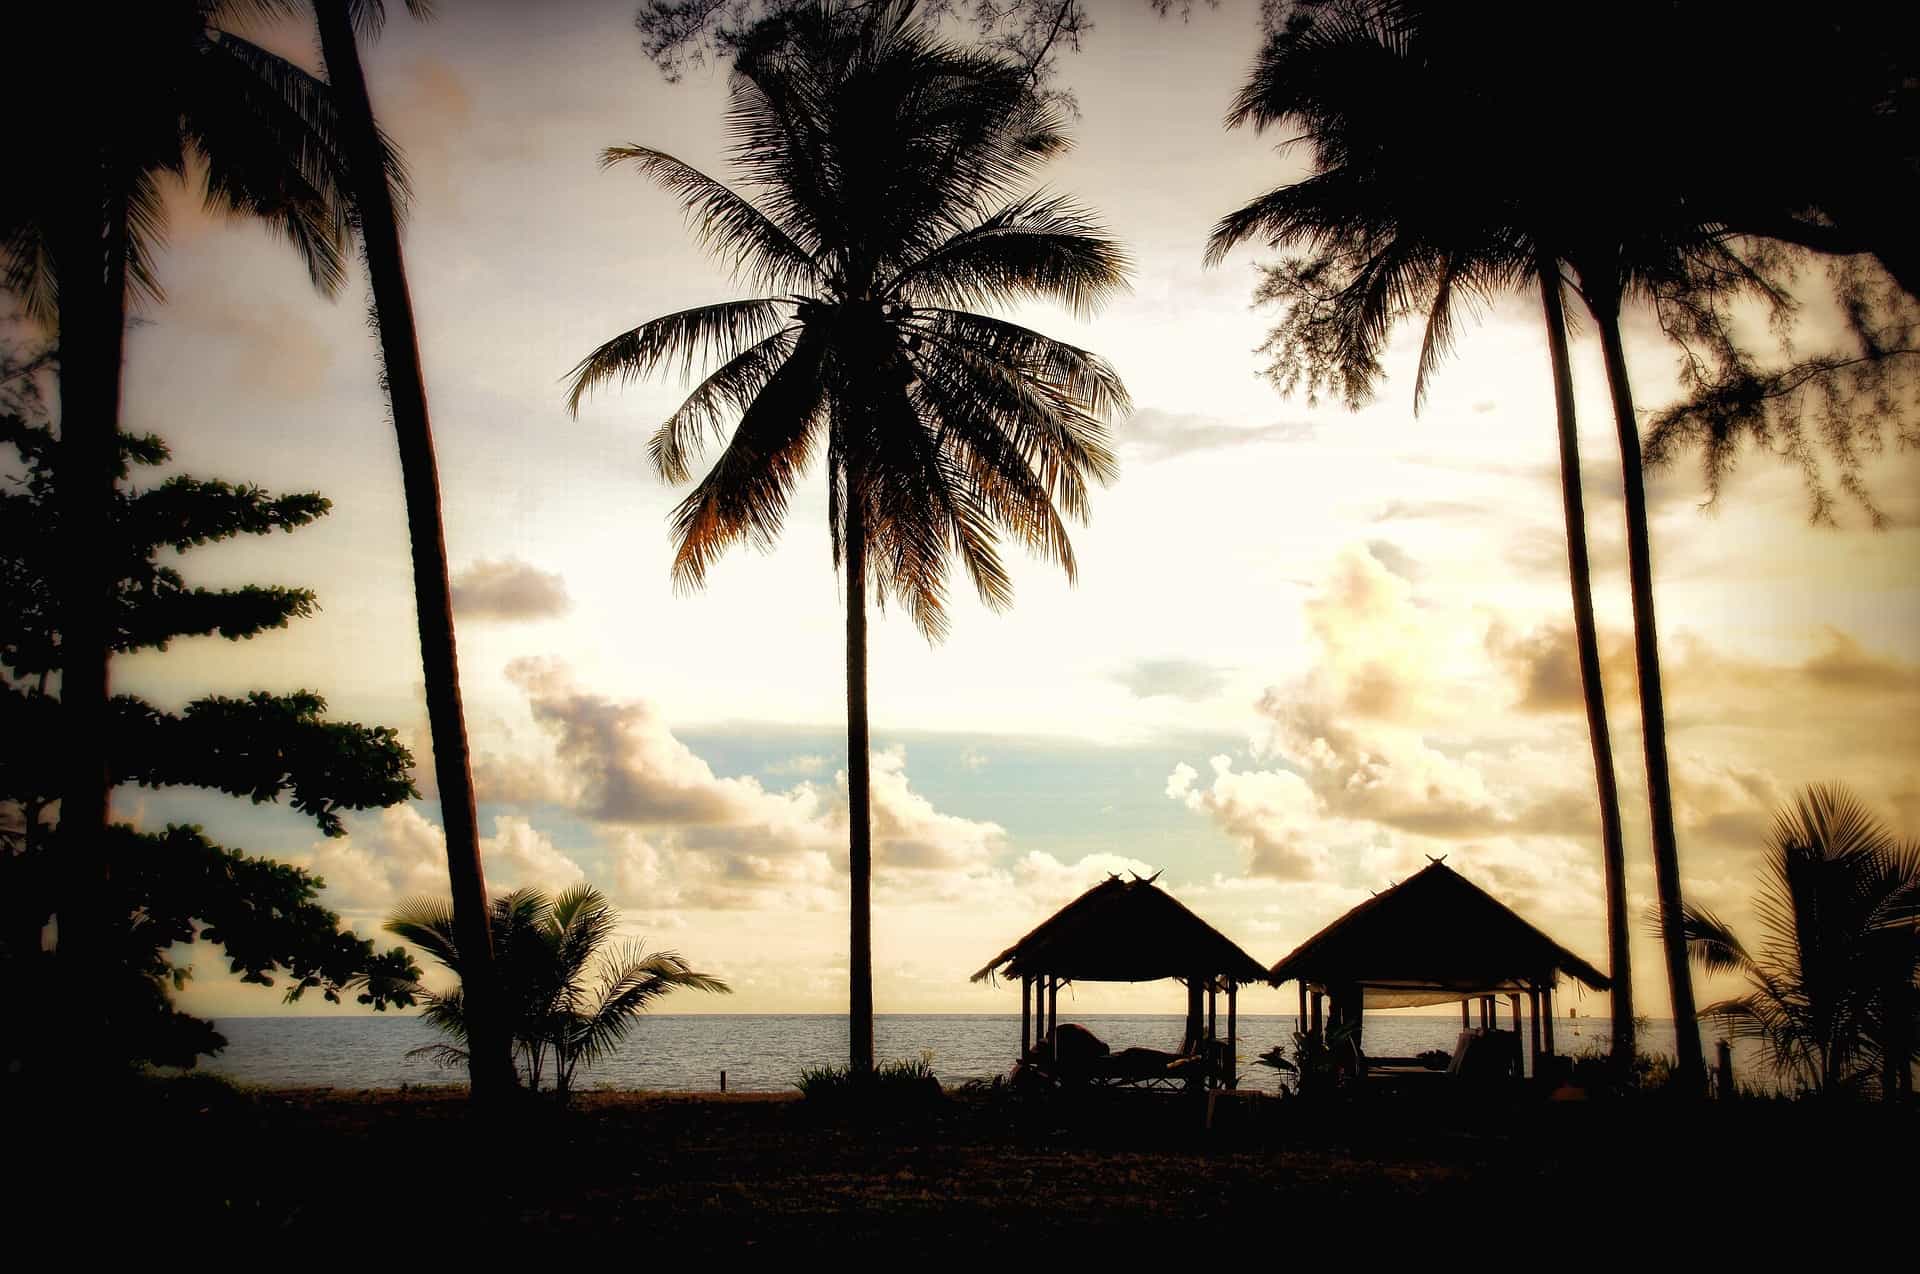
(174, 886)
(680, 34)
(572, 997)
(1834, 989)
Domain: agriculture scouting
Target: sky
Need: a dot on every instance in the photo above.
(1308, 649)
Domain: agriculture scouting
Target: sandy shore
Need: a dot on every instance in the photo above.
(740, 1172)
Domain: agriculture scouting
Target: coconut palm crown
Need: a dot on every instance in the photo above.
(889, 174)
(1833, 990)
(571, 998)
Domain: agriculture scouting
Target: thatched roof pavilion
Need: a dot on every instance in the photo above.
(1126, 931)
(1434, 938)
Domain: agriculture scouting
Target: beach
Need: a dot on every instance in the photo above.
(963, 1175)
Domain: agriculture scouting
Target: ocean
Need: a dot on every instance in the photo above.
(767, 1052)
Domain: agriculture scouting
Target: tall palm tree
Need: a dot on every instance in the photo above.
(378, 219)
(570, 998)
(1394, 223)
(116, 105)
(890, 170)
(1834, 992)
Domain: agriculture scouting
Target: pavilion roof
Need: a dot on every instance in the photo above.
(1433, 934)
(1124, 931)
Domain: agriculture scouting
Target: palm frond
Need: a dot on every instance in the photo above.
(1036, 248)
(442, 1055)
(724, 394)
(745, 495)
(1712, 943)
(269, 135)
(631, 981)
(758, 250)
(707, 333)
(426, 923)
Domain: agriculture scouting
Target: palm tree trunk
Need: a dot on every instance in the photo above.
(91, 265)
(490, 1064)
(1653, 715)
(1586, 638)
(859, 819)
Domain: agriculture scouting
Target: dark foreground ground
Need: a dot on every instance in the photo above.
(187, 1169)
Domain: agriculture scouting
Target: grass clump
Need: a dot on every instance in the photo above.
(901, 1080)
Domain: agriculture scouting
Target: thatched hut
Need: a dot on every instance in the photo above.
(1130, 931)
(1432, 939)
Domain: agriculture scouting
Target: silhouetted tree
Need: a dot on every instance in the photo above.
(174, 886)
(890, 170)
(1834, 991)
(1373, 245)
(1532, 104)
(1033, 33)
(1831, 168)
(571, 999)
(1828, 413)
(109, 106)
(369, 164)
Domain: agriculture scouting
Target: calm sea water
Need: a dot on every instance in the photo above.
(767, 1052)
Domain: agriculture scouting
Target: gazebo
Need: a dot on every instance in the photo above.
(1434, 938)
(1130, 931)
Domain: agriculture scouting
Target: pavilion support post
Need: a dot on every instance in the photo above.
(1213, 1010)
(1546, 1017)
(1303, 1006)
(1533, 1018)
(1233, 1035)
(1319, 1015)
(1466, 1024)
(1026, 1016)
(1193, 1011)
(1349, 1007)
(1519, 1062)
(1053, 1013)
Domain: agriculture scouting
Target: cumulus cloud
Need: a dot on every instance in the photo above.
(809, 763)
(1191, 680)
(680, 834)
(509, 589)
(400, 853)
(1373, 751)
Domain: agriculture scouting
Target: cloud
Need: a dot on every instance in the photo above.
(400, 854)
(1191, 680)
(1153, 434)
(1272, 814)
(1381, 746)
(509, 589)
(1543, 665)
(973, 759)
(680, 834)
(811, 763)
(1395, 559)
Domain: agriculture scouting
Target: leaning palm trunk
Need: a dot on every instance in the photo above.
(91, 264)
(859, 815)
(1605, 306)
(491, 1060)
(1587, 639)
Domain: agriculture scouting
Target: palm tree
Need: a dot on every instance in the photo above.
(1381, 245)
(1834, 992)
(890, 170)
(570, 999)
(114, 105)
(378, 220)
